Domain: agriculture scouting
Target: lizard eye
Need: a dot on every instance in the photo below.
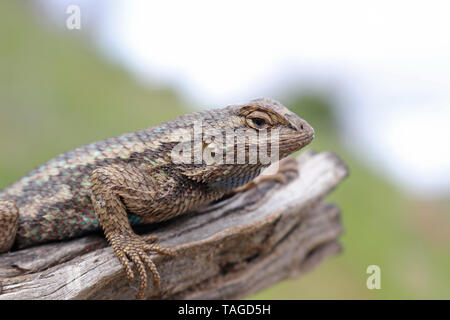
(258, 120)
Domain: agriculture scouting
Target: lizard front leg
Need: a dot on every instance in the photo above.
(110, 186)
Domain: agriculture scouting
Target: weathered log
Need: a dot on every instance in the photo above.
(231, 249)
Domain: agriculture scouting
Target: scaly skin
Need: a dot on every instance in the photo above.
(132, 178)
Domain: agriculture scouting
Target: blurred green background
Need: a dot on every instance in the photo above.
(57, 92)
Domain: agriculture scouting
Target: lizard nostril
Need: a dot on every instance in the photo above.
(301, 126)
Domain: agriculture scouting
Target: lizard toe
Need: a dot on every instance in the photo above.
(152, 267)
(150, 238)
(133, 250)
(127, 264)
(135, 257)
(160, 249)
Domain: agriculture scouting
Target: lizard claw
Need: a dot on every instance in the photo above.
(151, 238)
(133, 249)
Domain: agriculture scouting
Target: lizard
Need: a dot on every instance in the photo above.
(133, 179)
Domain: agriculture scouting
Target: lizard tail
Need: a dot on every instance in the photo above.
(9, 222)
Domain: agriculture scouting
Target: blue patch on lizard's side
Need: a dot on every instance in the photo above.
(134, 219)
(231, 183)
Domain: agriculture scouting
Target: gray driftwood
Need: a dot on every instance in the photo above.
(229, 250)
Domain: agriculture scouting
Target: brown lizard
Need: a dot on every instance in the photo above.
(139, 178)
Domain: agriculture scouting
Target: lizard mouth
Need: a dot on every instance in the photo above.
(309, 139)
(305, 137)
(291, 145)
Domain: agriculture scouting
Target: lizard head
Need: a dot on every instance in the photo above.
(262, 131)
(273, 123)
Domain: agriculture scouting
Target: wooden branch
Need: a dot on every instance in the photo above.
(231, 249)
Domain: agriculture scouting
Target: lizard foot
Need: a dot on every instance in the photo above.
(285, 165)
(133, 249)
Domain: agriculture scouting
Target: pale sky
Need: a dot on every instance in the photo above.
(388, 60)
